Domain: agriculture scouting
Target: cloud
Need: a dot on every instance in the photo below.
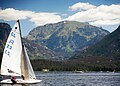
(85, 12)
(64, 15)
(97, 15)
(39, 18)
(81, 6)
(12, 14)
(44, 18)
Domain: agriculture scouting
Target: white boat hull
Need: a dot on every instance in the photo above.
(20, 81)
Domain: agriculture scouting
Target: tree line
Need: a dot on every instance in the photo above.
(79, 64)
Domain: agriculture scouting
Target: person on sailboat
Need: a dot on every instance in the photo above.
(13, 79)
(23, 77)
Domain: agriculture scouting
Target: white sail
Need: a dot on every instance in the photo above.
(15, 61)
(12, 53)
(31, 73)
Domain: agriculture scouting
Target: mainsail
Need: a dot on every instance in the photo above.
(12, 53)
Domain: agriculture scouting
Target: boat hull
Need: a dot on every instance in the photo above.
(20, 81)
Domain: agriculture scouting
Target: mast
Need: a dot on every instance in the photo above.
(20, 31)
(26, 68)
(23, 65)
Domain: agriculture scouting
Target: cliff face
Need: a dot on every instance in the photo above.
(4, 32)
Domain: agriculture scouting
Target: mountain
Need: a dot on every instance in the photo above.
(36, 51)
(4, 32)
(67, 37)
(109, 46)
(58, 40)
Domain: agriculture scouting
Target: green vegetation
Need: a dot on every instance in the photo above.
(81, 64)
(103, 56)
(107, 47)
(66, 37)
(68, 49)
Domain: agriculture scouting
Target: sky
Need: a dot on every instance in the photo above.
(33, 13)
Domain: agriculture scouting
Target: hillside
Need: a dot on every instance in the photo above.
(4, 31)
(103, 56)
(67, 37)
(107, 47)
(59, 40)
(35, 52)
(38, 51)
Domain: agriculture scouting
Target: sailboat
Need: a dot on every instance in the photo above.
(15, 60)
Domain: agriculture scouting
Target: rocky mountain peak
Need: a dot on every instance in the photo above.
(66, 37)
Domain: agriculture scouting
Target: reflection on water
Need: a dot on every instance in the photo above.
(75, 79)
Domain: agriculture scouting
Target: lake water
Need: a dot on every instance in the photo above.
(76, 79)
